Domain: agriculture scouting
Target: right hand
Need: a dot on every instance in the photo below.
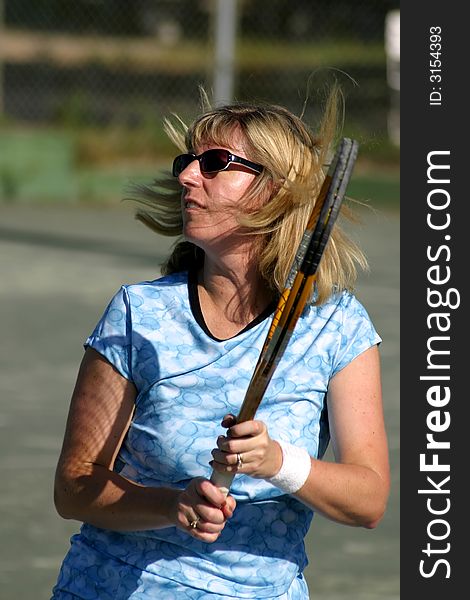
(203, 502)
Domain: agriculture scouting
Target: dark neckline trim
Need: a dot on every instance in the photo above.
(199, 317)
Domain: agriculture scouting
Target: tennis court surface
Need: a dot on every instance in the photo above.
(59, 267)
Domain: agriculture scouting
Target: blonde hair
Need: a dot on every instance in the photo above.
(293, 160)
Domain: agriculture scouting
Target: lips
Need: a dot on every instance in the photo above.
(189, 204)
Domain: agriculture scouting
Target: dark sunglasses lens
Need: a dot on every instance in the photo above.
(180, 163)
(214, 160)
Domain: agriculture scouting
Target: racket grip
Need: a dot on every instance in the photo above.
(223, 481)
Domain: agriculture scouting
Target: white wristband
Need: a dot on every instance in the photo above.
(295, 469)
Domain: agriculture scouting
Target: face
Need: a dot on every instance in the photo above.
(211, 202)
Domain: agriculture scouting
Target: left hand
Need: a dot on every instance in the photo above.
(261, 456)
(203, 504)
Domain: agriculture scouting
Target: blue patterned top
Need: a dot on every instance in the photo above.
(186, 382)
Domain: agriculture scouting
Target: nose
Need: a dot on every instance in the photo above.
(191, 174)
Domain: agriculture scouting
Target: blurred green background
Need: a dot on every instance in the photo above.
(84, 87)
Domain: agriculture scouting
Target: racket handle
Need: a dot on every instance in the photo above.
(223, 481)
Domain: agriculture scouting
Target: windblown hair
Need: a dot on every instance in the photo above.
(293, 158)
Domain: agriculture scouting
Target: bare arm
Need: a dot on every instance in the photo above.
(87, 489)
(354, 489)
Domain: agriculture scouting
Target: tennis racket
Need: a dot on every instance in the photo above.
(299, 284)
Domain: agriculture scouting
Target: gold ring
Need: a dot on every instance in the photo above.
(194, 523)
(239, 461)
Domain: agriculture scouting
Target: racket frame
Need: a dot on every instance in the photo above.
(299, 284)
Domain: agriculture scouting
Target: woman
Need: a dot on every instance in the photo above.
(167, 366)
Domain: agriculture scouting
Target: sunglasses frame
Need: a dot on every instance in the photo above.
(231, 158)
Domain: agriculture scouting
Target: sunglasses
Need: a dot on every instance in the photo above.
(212, 161)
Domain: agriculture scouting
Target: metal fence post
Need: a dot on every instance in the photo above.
(2, 27)
(392, 48)
(225, 32)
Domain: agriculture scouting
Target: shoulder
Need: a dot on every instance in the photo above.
(353, 327)
(339, 306)
(160, 284)
(173, 285)
(340, 320)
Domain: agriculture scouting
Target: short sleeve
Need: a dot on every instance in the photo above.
(357, 333)
(112, 335)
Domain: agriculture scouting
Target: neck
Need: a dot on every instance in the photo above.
(232, 292)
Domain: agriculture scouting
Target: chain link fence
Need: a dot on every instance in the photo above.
(108, 71)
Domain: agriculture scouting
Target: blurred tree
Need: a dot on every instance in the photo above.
(282, 19)
(114, 17)
(305, 20)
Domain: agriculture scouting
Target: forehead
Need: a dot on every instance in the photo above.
(229, 136)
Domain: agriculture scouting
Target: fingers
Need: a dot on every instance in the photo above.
(246, 429)
(206, 501)
(232, 463)
(247, 449)
(209, 492)
(200, 526)
(229, 420)
(228, 507)
(202, 510)
(241, 439)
